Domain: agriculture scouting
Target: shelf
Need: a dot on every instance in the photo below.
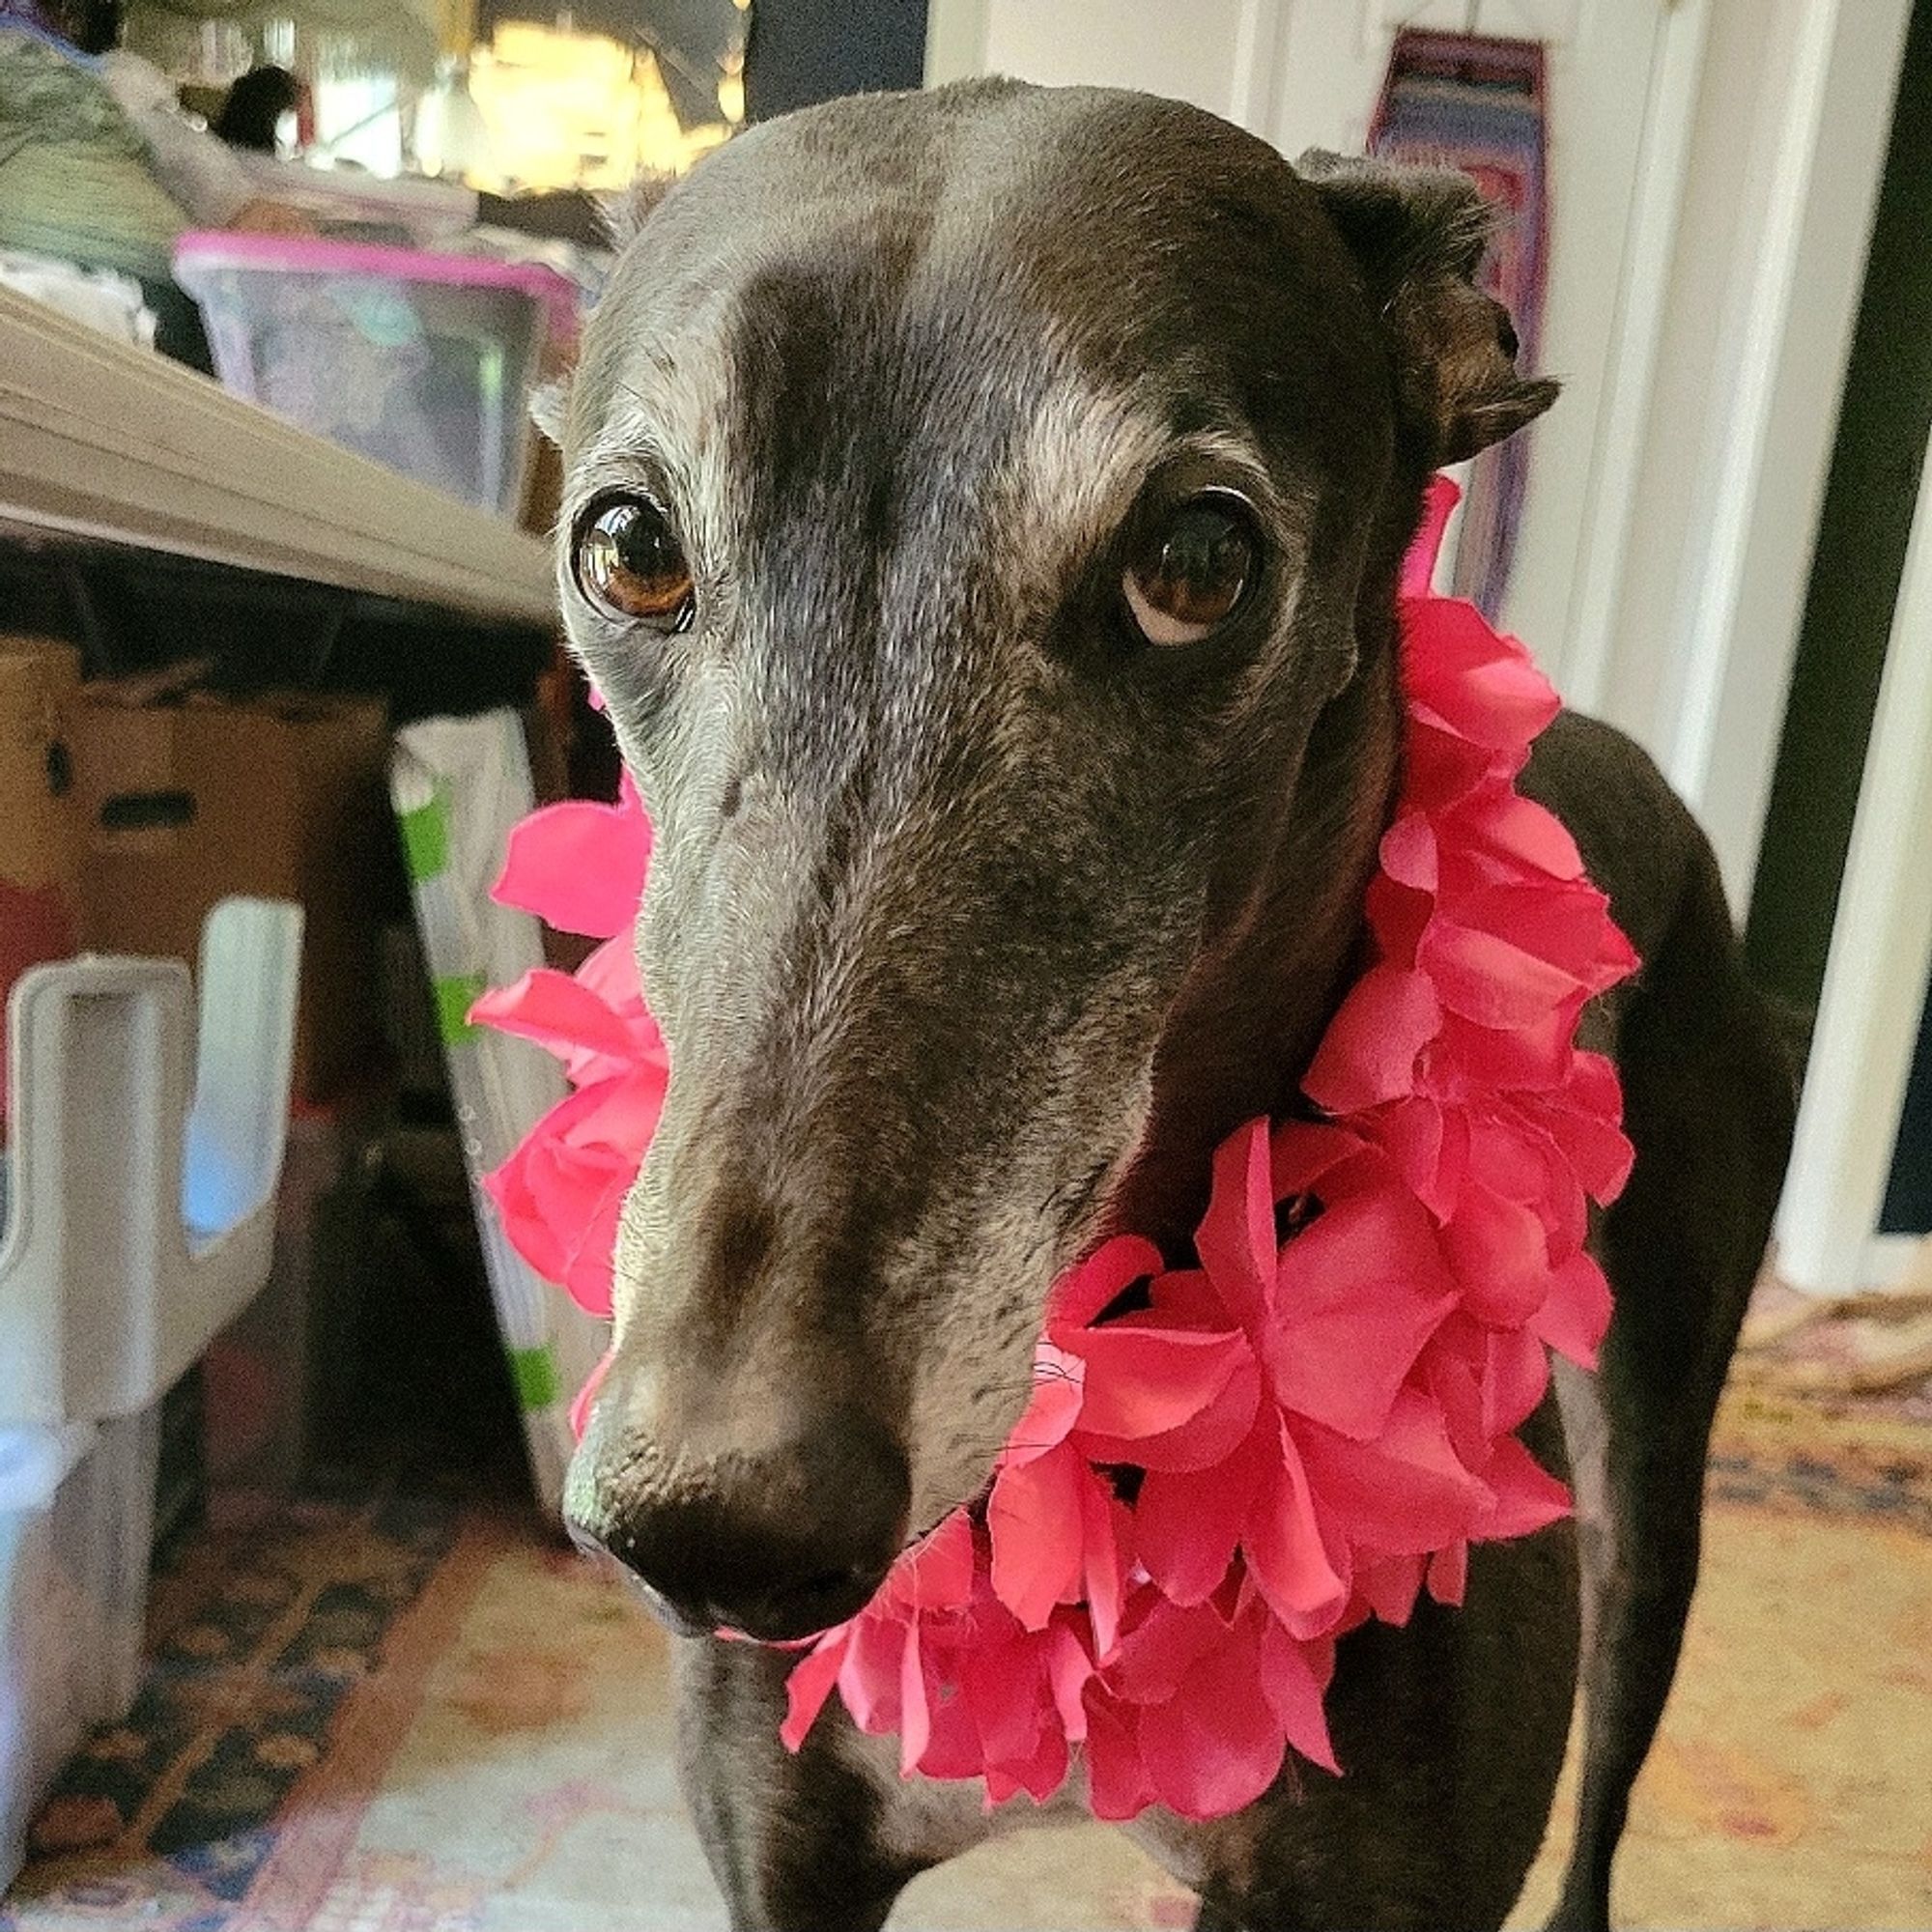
(102, 440)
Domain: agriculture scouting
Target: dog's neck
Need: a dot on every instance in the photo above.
(1248, 1020)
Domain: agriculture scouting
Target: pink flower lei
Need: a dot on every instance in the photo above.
(1319, 1425)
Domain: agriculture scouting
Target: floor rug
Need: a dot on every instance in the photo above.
(405, 1716)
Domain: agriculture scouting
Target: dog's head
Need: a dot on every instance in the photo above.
(982, 513)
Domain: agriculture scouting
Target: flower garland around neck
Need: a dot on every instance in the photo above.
(1292, 1431)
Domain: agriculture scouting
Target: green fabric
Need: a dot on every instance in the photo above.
(425, 834)
(534, 1373)
(455, 995)
(74, 176)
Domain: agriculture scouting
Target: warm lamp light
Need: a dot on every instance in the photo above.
(568, 109)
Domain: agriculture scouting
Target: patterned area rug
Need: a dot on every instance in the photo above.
(1871, 1354)
(405, 1717)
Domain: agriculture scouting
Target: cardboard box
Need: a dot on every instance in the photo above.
(38, 830)
(189, 799)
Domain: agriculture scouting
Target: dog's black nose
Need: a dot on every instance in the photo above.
(779, 1543)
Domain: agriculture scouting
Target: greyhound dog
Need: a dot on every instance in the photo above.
(982, 517)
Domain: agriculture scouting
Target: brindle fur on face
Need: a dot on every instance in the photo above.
(938, 841)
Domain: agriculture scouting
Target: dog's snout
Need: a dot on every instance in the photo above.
(779, 1543)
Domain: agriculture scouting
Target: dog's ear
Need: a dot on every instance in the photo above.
(1419, 235)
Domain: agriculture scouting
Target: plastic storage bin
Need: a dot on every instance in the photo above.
(133, 1225)
(76, 1510)
(137, 1225)
(423, 361)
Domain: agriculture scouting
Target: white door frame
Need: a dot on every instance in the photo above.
(955, 41)
(1876, 974)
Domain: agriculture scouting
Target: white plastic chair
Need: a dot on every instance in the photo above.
(141, 1222)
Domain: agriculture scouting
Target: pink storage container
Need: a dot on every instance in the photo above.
(423, 361)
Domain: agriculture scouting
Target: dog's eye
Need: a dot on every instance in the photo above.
(628, 558)
(1187, 578)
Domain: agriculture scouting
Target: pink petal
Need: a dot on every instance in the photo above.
(1185, 1299)
(1200, 1442)
(1304, 1157)
(560, 1204)
(808, 1686)
(1144, 1380)
(585, 1399)
(1490, 980)
(1117, 1781)
(1159, 1651)
(526, 1228)
(870, 1673)
(1534, 1056)
(1406, 1492)
(1058, 1383)
(561, 1014)
(1449, 1574)
(1450, 1373)
(1186, 1527)
(1501, 1252)
(1295, 1678)
(590, 1257)
(1034, 1516)
(1389, 1585)
(561, 1192)
(1583, 1118)
(914, 1715)
(1515, 1375)
(1561, 924)
(611, 972)
(937, 1572)
(1418, 563)
(1217, 1745)
(1485, 686)
(1285, 1550)
(619, 1115)
(1523, 831)
(1069, 1670)
(1526, 1497)
(1004, 1683)
(1398, 916)
(1236, 1238)
(1361, 1288)
(1369, 1051)
(1089, 1285)
(1576, 1317)
(1410, 851)
(1039, 1775)
(1102, 1519)
(578, 866)
(954, 1749)
(1429, 1144)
